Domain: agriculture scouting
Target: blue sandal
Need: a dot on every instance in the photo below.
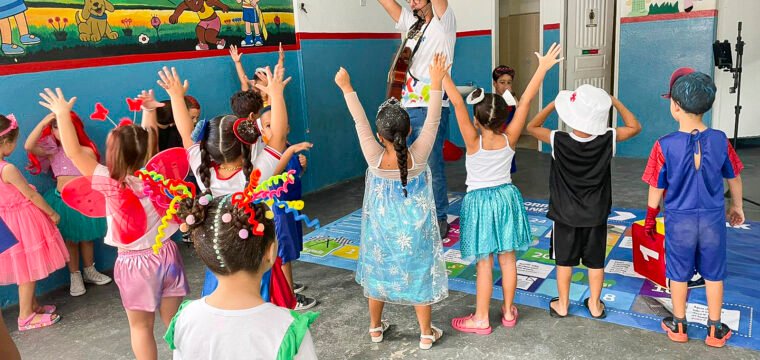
(12, 49)
(29, 39)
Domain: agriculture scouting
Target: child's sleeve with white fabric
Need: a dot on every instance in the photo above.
(307, 351)
(370, 148)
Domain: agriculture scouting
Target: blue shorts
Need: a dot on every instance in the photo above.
(289, 236)
(695, 239)
(250, 15)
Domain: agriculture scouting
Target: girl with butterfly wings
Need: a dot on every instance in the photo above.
(148, 282)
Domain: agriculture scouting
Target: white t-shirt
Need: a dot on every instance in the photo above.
(263, 157)
(153, 217)
(440, 36)
(205, 332)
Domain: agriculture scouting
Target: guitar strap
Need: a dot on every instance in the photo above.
(414, 51)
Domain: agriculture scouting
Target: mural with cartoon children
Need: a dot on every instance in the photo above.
(82, 29)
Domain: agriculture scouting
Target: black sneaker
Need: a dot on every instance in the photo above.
(304, 303)
(676, 329)
(696, 282)
(297, 288)
(718, 335)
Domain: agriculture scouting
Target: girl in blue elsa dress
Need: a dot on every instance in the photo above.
(401, 255)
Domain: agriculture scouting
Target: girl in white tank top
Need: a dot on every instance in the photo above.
(493, 220)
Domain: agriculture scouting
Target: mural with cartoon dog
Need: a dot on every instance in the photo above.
(84, 29)
(92, 21)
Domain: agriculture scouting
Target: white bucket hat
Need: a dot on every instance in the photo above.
(586, 109)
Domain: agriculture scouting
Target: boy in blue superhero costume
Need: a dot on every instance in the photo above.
(691, 164)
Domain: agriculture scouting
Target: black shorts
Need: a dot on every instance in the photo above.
(572, 245)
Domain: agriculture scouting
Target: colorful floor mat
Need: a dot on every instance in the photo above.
(631, 300)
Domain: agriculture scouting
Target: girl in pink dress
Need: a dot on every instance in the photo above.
(40, 249)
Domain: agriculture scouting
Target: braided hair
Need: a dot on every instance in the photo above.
(490, 110)
(219, 145)
(218, 225)
(393, 125)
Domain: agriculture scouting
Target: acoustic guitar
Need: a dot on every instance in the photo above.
(402, 61)
(399, 68)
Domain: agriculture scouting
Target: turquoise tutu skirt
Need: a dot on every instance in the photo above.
(493, 221)
(401, 253)
(74, 226)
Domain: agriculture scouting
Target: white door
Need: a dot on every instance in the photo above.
(589, 43)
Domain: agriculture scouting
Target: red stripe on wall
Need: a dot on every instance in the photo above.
(551, 26)
(474, 33)
(346, 36)
(371, 36)
(24, 68)
(129, 59)
(676, 16)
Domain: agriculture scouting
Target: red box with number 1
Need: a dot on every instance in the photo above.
(649, 253)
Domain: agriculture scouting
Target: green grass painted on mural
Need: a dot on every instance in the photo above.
(266, 5)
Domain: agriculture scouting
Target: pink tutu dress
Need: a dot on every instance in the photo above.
(40, 249)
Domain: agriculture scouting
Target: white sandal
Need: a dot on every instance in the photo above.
(384, 325)
(437, 334)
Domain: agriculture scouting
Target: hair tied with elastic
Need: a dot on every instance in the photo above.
(476, 96)
(392, 101)
(246, 131)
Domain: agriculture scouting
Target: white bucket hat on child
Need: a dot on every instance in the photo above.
(586, 109)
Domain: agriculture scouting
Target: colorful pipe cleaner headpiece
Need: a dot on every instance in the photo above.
(269, 192)
(166, 195)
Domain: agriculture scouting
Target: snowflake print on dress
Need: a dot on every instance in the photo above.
(401, 260)
(404, 242)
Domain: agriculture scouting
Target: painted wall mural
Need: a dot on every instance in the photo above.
(658, 7)
(49, 30)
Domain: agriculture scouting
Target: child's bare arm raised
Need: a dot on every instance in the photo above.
(57, 103)
(275, 90)
(469, 133)
(176, 88)
(236, 56)
(31, 144)
(536, 126)
(546, 62)
(631, 127)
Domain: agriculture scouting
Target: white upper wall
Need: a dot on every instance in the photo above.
(350, 16)
(729, 13)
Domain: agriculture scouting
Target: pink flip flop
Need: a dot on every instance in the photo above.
(515, 315)
(43, 320)
(459, 325)
(45, 309)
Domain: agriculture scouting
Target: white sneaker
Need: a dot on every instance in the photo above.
(77, 285)
(92, 276)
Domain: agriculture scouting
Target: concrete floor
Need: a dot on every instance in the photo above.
(94, 326)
